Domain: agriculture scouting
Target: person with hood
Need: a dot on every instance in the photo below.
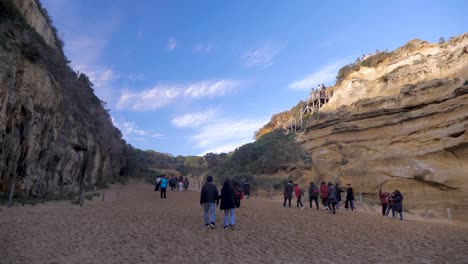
(331, 198)
(288, 190)
(228, 198)
(350, 197)
(209, 199)
(298, 192)
(163, 186)
(313, 195)
(324, 194)
(398, 203)
(383, 201)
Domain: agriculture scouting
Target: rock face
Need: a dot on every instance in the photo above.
(401, 123)
(55, 136)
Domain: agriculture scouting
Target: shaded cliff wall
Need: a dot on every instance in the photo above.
(55, 135)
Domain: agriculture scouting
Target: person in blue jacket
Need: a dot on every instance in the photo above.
(163, 186)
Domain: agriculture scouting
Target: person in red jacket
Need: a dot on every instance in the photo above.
(324, 194)
(383, 200)
(298, 192)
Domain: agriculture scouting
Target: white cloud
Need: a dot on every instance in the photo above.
(225, 135)
(130, 131)
(149, 99)
(171, 44)
(209, 88)
(203, 48)
(262, 57)
(326, 74)
(193, 119)
(160, 95)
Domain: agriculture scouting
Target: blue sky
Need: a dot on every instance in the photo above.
(191, 77)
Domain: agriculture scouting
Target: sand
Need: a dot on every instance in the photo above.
(139, 227)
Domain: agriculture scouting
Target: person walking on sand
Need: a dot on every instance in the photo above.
(383, 201)
(331, 198)
(163, 186)
(209, 199)
(157, 182)
(313, 195)
(228, 198)
(181, 183)
(350, 197)
(391, 205)
(339, 190)
(172, 183)
(288, 190)
(186, 183)
(298, 192)
(398, 200)
(247, 189)
(324, 194)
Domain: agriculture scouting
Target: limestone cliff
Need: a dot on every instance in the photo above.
(55, 136)
(399, 120)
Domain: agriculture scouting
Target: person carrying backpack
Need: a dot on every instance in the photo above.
(313, 195)
(298, 192)
(331, 198)
(209, 198)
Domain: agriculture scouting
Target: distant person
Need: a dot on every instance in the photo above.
(181, 183)
(172, 183)
(339, 190)
(228, 199)
(349, 197)
(391, 205)
(288, 190)
(209, 198)
(383, 196)
(186, 183)
(240, 190)
(324, 194)
(157, 182)
(313, 195)
(298, 192)
(247, 189)
(163, 186)
(331, 198)
(398, 200)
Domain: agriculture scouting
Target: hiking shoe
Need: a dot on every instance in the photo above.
(302, 207)
(226, 227)
(212, 225)
(207, 225)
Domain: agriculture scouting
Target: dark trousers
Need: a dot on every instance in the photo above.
(351, 204)
(156, 189)
(332, 207)
(324, 202)
(313, 199)
(287, 199)
(384, 209)
(163, 193)
(299, 202)
(172, 187)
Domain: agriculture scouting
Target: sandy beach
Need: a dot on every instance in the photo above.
(139, 227)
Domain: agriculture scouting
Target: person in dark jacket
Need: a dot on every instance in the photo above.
(247, 189)
(324, 194)
(313, 195)
(228, 198)
(331, 198)
(349, 197)
(339, 190)
(186, 183)
(172, 183)
(398, 203)
(288, 190)
(391, 205)
(209, 198)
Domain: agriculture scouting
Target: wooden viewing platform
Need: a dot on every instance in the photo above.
(315, 101)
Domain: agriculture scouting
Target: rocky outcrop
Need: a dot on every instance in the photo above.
(399, 120)
(37, 18)
(55, 136)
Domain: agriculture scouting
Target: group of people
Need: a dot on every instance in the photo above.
(391, 202)
(330, 195)
(318, 93)
(229, 200)
(162, 182)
